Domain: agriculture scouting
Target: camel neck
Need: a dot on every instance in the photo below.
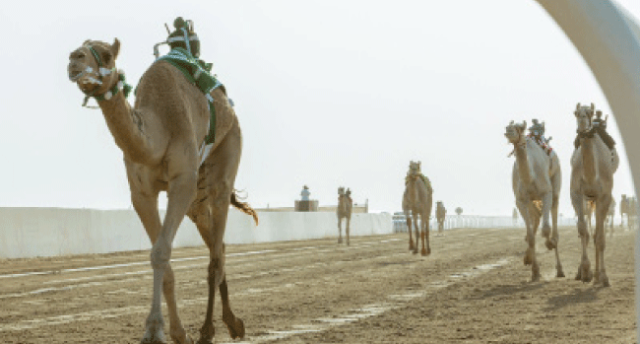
(522, 161)
(588, 160)
(127, 128)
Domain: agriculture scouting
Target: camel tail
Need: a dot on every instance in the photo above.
(243, 206)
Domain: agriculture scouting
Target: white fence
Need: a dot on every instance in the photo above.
(43, 232)
(473, 221)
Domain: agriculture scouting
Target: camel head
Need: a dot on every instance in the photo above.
(414, 168)
(515, 132)
(348, 193)
(341, 191)
(584, 116)
(93, 67)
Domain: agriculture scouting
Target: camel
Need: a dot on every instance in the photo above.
(514, 217)
(160, 138)
(417, 202)
(344, 212)
(441, 213)
(624, 209)
(536, 181)
(632, 213)
(593, 165)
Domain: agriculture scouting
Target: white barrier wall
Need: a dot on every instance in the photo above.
(45, 232)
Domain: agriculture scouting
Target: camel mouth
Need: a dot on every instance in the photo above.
(75, 75)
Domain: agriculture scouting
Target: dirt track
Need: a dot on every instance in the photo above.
(472, 289)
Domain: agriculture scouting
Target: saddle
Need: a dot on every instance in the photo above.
(600, 131)
(544, 144)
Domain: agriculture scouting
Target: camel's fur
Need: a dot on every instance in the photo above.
(344, 212)
(536, 181)
(417, 202)
(160, 138)
(593, 165)
(441, 214)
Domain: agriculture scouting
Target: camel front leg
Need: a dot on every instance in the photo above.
(348, 229)
(547, 203)
(417, 229)
(426, 248)
(555, 237)
(530, 254)
(146, 206)
(602, 207)
(340, 230)
(409, 229)
(182, 190)
(584, 270)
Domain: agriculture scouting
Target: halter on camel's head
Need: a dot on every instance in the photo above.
(515, 133)
(92, 67)
(584, 118)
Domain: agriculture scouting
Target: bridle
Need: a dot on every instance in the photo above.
(98, 79)
(587, 133)
(522, 141)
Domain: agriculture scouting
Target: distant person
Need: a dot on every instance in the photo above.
(305, 193)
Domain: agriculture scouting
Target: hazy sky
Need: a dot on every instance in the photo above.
(328, 93)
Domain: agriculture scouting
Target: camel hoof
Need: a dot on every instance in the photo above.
(237, 330)
(340, 241)
(560, 273)
(411, 246)
(425, 252)
(153, 341)
(415, 251)
(204, 341)
(605, 282)
(586, 275)
(535, 278)
(551, 244)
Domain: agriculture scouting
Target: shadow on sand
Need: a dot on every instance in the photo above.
(509, 290)
(579, 295)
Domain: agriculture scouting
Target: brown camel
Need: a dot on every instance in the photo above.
(628, 207)
(593, 165)
(344, 212)
(441, 214)
(536, 181)
(417, 202)
(160, 138)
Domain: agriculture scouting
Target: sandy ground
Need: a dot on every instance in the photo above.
(472, 289)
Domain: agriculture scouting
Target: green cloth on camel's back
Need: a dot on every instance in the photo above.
(197, 72)
(424, 179)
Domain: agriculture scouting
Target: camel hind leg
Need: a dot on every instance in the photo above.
(409, 229)
(555, 237)
(602, 207)
(216, 188)
(339, 230)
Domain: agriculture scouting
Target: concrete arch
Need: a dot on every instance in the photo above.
(608, 39)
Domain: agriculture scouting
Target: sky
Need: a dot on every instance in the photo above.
(328, 93)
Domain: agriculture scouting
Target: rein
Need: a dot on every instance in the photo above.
(516, 146)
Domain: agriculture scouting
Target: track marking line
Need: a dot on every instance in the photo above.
(395, 301)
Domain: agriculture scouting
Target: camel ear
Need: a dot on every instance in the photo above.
(115, 48)
(593, 107)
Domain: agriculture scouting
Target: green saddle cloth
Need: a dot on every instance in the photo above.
(198, 73)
